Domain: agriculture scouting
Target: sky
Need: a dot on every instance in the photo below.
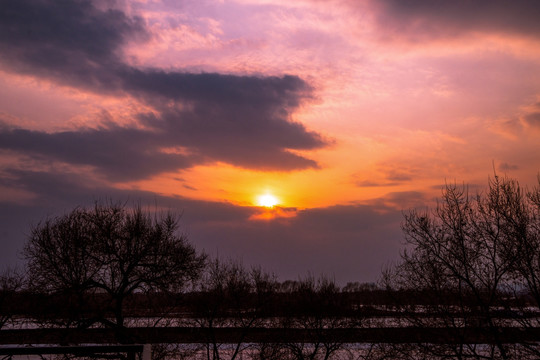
(346, 113)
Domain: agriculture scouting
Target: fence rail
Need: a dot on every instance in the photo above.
(187, 335)
(81, 350)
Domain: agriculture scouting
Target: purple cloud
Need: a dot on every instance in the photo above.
(241, 120)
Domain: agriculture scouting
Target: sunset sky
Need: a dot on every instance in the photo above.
(341, 114)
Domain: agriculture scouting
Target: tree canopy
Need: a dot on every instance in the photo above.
(111, 250)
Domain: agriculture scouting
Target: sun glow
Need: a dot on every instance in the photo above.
(267, 200)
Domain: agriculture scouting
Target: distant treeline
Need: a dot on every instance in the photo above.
(283, 301)
(374, 303)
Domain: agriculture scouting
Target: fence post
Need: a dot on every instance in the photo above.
(147, 352)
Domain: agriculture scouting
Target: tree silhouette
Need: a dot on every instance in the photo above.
(468, 258)
(316, 306)
(11, 281)
(109, 252)
(231, 296)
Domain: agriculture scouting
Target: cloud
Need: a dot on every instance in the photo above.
(386, 175)
(369, 183)
(242, 120)
(350, 242)
(71, 40)
(401, 200)
(507, 167)
(532, 119)
(118, 153)
(205, 134)
(418, 20)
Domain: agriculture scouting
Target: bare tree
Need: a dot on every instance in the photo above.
(11, 282)
(519, 211)
(317, 307)
(232, 297)
(106, 254)
(466, 258)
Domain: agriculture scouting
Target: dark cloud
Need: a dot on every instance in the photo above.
(531, 116)
(399, 176)
(272, 92)
(241, 120)
(122, 153)
(533, 119)
(118, 153)
(401, 200)
(350, 242)
(507, 167)
(369, 183)
(419, 20)
(228, 140)
(69, 40)
(405, 199)
(391, 176)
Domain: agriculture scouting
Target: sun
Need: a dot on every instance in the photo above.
(267, 200)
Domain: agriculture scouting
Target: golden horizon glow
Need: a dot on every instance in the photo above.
(267, 200)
